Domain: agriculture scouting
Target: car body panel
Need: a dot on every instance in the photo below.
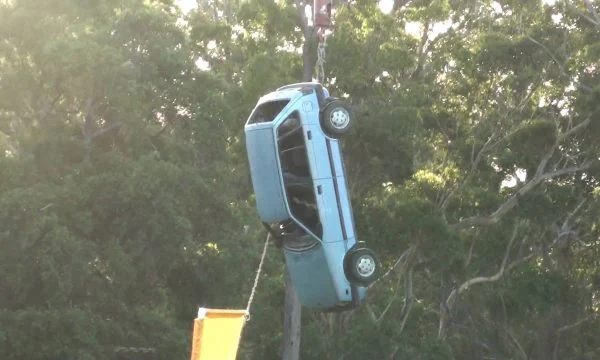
(328, 210)
(267, 184)
(317, 273)
(346, 212)
(320, 165)
(309, 273)
(290, 94)
(338, 161)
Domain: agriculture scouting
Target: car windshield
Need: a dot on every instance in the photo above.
(267, 111)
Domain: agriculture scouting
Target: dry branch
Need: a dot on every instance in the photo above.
(407, 263)
(594, 19)
(493, 141)
(540, 176)
(409, 298)
(401, 260)
(481, 279)
(592, 10)
(475, 160)
(560, 65)
(456, 292)
(504, 267)
(565, 228)
(517, 345)
(566, 328)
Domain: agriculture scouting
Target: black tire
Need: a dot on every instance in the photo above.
(362, 266)
(337, 118)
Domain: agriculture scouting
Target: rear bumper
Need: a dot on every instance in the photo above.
(319, 278)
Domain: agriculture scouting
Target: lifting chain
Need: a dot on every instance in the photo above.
(321, 56)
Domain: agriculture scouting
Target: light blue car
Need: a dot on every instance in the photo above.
(298, 176)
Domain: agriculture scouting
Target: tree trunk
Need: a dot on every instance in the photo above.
(292, 324)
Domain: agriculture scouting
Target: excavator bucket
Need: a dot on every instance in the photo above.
(217, 334)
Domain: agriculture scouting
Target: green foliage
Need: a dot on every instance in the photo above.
(125, 202)
(536, 136)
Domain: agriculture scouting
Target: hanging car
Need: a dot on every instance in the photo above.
(297, 171)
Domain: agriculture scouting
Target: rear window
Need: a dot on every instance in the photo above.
(268, 111)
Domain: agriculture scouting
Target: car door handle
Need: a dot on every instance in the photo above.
(319, 189)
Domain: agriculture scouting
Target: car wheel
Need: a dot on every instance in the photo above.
(337, 118)
(363, 266)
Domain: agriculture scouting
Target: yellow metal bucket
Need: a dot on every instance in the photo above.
(217, 334)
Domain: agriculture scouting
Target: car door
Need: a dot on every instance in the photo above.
(326, 187)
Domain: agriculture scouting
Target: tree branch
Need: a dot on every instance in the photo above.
(47, 108)
(540, 176)
(481, 279)
(561, 67)
(517, 345)
(371, 313)
(470, 254)
(407, 265)
(409, 298)
(566, 328)
(500, 212)
(421, 51)
(301, 19)
(399, 4)
(497, 215)
(568, 170)
(103, 131)
(292, 324)
(595, 20)
(565, 228)
(576, 128)
(309, 51)
(456, 292)
(492, 142)
(474, 163)
(403, 259)
(592, 10)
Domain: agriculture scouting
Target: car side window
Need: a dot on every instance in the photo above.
(297, 174)
(267, 112)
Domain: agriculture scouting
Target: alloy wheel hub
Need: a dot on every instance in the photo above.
(340, 118)
(365, 265)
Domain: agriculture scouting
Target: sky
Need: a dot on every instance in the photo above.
(187, 5)
(385, 6)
